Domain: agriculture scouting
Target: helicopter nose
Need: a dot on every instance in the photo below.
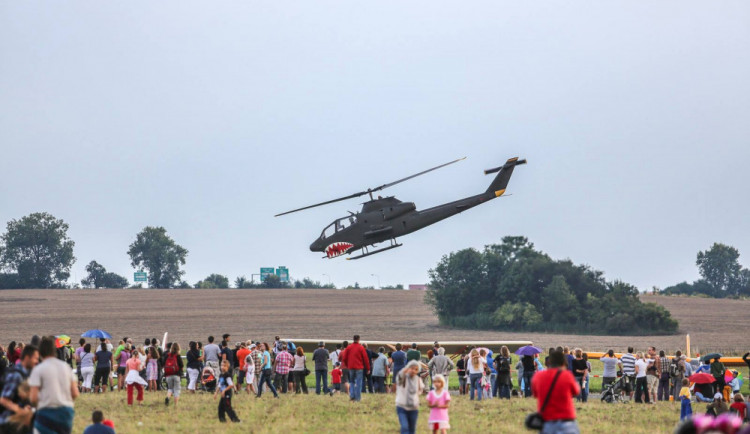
(316, 246)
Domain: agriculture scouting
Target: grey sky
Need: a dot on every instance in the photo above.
(209, 117)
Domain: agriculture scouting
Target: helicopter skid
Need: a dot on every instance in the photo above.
(393, 246)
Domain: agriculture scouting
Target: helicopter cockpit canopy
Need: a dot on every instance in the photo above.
(337, 226)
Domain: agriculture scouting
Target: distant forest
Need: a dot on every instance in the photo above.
(512, 286)
(722, 276)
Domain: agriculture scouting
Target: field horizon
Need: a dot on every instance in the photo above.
(260, 314)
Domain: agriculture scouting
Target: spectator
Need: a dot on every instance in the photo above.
(121, 357)
(336, 378)
(152, 368)
(356, 359)
(133, 379)
(568, 358)
(97, 427)
(380, 371)
(408, 388)
(662, 371)
(250, 371)
(282, 364)
(627, 361)
(461, 372)
(579, 372)
(85, 367)
(476, 371)
(320, 357)
(610, 368)
(677, 373)
(265, 375)
(239, 358)
(104, 363)
(718, 406)
(212, 355)
(11, 400)
(441, 364)
(399, 361)
(556, 388)
(173, 371)
(529, 369)
(226, 387)
(334, 356)
(652, 377)
(439, 400)
(413, 353)
(194, 360)
(53, 390)
(641, 383)
(344, 369)
(300, 385)
(717, 371)
(686, 409)
(228, 355)
(503, 383)
(739, 406)
(257, 355)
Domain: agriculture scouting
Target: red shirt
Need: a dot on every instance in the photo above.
(241, 355)
(355, 357)
(560, 405)
(336, 376)
(741, 408)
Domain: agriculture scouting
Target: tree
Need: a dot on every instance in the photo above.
(99, 277)
(720, 267)
(241, 282)
(273, 281)
(38, 250)
(213, 281)
(156, 252)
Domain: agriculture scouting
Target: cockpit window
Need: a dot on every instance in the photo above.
(337, 225)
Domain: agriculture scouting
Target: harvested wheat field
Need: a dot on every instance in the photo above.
(715, 325)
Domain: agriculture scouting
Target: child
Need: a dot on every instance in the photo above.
(686, 409)
(739, 406)
(439, 400)
(336, 378)
(225, 388)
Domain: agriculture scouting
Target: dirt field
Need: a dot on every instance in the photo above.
(716, 325)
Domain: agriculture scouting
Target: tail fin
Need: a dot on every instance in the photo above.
(501, 180)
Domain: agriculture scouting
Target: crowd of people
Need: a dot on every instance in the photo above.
(41, 380)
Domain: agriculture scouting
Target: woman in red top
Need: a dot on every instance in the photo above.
(559, 414)
(739, 405)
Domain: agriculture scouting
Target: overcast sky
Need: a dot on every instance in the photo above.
(208, 118)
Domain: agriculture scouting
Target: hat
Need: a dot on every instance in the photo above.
(321, 344)
(252, 346)
(718, 396)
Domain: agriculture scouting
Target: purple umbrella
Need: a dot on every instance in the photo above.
(528, 350)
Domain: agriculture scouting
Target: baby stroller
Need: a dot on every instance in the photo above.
(208, 380)
(611, 392)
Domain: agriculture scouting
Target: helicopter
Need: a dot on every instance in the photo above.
(385, 218)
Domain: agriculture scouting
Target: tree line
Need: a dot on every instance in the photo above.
(512, 286)
(36, 252)
(722, 275)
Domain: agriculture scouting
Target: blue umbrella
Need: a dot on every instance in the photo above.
(528, 350)
(96, 333)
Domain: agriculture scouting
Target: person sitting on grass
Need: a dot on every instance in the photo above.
(439, 400)
(97, 427)
(718, 406)
(225, 389)
(686, 409)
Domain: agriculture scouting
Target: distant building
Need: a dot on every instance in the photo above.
(418, 287)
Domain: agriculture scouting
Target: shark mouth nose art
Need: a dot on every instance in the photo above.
(338, 249)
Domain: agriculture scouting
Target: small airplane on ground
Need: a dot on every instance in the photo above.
(383, 219)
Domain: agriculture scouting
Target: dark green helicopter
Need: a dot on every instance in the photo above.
(385, 218)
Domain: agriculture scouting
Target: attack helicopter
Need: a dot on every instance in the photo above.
(386, 218)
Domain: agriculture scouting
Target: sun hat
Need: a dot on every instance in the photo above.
(718, 396)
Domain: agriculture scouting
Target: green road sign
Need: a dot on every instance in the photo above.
(140, 276)
(283, 274)
(265, 271)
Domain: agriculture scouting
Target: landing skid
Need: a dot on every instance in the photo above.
(393, 245)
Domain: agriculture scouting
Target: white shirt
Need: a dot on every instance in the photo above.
(54, 378)
(479, 370)
(642, 365)
(334, 356)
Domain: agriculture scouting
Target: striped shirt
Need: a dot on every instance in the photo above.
(628, 364)
(283, 362)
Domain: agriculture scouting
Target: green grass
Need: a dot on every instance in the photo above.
(376, 413)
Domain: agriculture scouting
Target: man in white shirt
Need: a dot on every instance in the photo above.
(53, 390)
(334, 355)
(641, 383)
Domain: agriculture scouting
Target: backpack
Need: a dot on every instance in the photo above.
(170, 366)
(504, 365)
(674, 369)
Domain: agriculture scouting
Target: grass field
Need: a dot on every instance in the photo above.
(375, 413)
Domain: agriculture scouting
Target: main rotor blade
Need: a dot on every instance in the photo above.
(415, 175)
(351, 196)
